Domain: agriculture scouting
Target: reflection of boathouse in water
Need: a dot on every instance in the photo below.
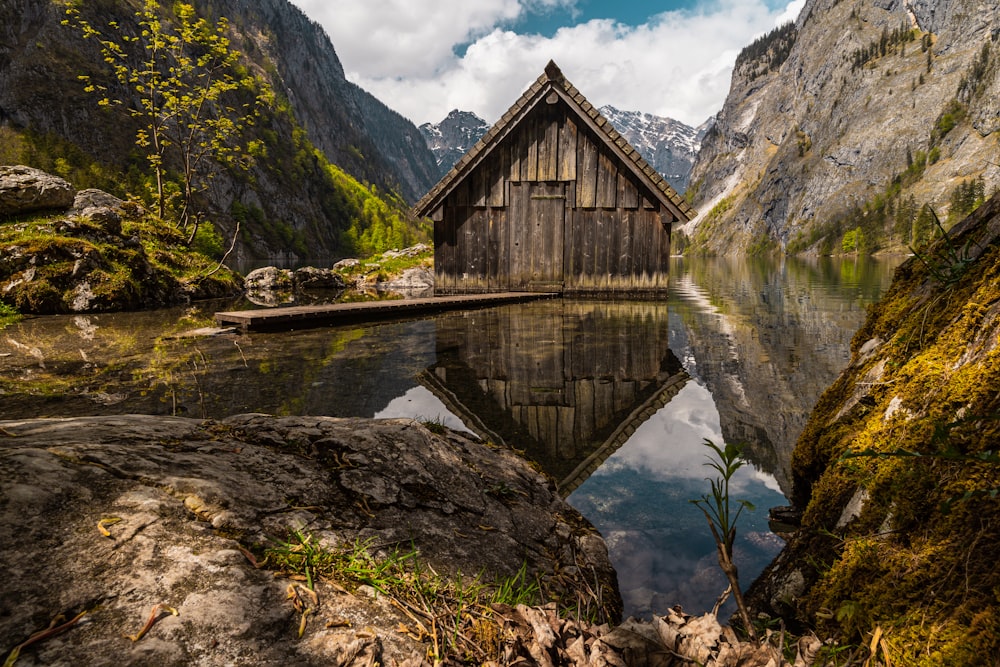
(569, 389)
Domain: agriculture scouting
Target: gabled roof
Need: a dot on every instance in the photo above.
(552, 80)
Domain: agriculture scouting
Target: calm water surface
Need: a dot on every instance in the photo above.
(613, 398)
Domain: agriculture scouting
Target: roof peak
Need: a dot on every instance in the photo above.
(553, 72)
(554, 82)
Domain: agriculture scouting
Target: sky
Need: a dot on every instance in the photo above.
(423, 58)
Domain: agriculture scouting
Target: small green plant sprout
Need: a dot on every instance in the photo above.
(435, 425)
(718, 509)
(945, 262)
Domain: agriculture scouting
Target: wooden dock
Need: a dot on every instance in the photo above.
(303, 317)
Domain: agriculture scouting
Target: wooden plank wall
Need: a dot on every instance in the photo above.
(619, 251)
(614, 239)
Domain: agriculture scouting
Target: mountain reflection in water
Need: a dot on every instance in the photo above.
(612, 398)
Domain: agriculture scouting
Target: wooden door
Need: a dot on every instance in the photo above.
(537, 216)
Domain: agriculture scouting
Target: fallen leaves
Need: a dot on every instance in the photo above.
(103, 524)
(300, 596)
(154, 616)
(54, 629)
(250, 557)
(57, 626)
(538, 636)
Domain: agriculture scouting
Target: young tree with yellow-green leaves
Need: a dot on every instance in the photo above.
(178, 75)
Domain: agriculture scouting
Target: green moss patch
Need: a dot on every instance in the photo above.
(59, 265)
(912, 427)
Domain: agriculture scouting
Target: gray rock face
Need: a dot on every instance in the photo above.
(798, 145)
(25, 189)
(181, 500)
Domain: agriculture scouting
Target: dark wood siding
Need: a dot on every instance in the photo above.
(551, 207)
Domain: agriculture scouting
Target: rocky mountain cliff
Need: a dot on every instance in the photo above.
(353, 128)
(851, 119)
(668, 145)
(289, 205)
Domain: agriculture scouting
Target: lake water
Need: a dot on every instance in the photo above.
(614, 399)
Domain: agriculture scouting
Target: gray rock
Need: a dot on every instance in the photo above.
(415, 283)
(100, 207)
(94, 198)
(182, 498)
(417, 278)
(346, 264)
(309, 277)
(269, 278)
(25, 189)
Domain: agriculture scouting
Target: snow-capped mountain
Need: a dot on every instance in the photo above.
(668, 145)
(452, 138)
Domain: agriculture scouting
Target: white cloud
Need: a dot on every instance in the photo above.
(387, 39)
(403, 51)
(791, 12)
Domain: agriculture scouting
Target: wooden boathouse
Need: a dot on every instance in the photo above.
(552, 199)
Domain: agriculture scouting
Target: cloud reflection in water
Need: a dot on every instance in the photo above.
(658, 540)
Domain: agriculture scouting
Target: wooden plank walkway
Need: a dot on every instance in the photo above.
(302, 317)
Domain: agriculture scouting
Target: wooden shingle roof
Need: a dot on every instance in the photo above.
(552, 80)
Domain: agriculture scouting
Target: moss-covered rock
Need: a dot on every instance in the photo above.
(102, 254)
(898, 469)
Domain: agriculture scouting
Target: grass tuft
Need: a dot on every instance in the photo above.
(454, 615)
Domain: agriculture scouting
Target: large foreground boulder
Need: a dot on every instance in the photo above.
(113, 516)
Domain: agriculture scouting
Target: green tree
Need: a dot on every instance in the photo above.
(179, 77)
(906, 215)
(923, 226)
(852, 240)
